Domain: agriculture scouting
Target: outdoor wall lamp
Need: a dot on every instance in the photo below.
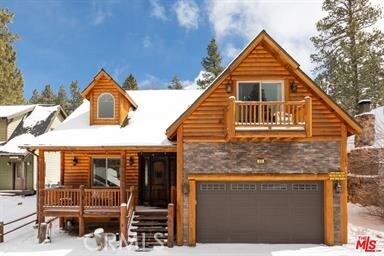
(75, 161)
(228, 88)
(131, 160)
(293, 87)
(337, 187)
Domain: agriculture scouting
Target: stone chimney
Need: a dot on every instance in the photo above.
(367, 122)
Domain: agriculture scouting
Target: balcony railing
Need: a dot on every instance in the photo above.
(292, 117)
(82, 197)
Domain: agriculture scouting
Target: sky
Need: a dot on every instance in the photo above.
(67, 40)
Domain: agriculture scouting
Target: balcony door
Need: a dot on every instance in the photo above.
(260, 91)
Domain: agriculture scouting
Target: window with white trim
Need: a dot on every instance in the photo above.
(106, 106)
(260, 91)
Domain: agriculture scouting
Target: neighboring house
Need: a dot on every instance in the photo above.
(20, 124)
(254, 158)
(365, 158)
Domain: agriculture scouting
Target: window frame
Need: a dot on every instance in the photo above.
(98, 107)
(281, 82)
(106, 160)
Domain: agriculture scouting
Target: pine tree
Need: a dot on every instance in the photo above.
(62, 98)
(175, 84)
(35, 98)
(211, 64)
(349, 53)
(48, 95)
(130, 83)
(76, 99)
(11, 79)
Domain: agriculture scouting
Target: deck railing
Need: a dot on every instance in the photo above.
(82, 197)
(259, 116)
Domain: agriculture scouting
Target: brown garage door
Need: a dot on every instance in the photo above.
(259, 212)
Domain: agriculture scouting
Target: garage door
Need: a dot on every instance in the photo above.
(259, 212)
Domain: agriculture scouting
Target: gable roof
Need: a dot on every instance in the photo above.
(292, 66)
(100, 74)
(11, 111)
(38, 122)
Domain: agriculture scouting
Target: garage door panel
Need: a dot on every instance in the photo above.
(260, 212)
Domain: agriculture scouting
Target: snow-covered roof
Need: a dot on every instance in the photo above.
(35, 124)
(157, 109)
(8, 111)
(379, 130)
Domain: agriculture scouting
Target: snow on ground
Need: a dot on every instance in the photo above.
(24, 243)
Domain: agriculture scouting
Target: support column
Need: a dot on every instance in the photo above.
(329, 235)
(81, 213)
(41, 187)
(179, 188)
(123, 185)
(62, 164)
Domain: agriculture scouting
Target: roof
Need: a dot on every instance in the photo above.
(290, 64)
(379, 130)
(36, 123)
(11, 111)
(146, 125)
(100, 74)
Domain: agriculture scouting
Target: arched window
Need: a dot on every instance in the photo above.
(106, 106)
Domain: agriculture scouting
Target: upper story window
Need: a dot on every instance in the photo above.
(260, 91)
(106, 106)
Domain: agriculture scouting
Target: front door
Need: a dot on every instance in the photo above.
(157, 171)
(159, 182)
(19, 175)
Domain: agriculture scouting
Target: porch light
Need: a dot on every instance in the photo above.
(293, 87)
(337, 187)
(75, 161)
(131, 160)
(228, 88)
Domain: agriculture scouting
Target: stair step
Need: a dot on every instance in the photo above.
(151, 212)
(149, 224)
(149, 235)
(149, 217)
(149, 229)
(152, 243)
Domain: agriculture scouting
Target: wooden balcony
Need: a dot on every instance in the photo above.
(269, 119)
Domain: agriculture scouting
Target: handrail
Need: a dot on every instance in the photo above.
(126, 214)
(2, 225)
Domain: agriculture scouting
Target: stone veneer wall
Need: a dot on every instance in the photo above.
(240, 157)
(336, 215)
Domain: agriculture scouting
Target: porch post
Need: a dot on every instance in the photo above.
(123, 186)
(62, 164)
(41, 187)
(179, 188)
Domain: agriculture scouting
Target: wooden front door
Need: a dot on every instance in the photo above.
(157, 176)
(159, 191)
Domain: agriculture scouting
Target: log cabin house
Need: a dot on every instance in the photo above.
(258, 157)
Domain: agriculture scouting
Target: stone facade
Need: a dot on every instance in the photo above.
(278, 157)
(336, 215)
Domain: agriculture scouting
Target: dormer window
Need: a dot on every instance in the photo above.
(106, 106)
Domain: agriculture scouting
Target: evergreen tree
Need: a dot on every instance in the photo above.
(62, 98)
(350, 53)
(175, 83)
(48, 95)
(35, 98)
(11, 79)
(76, 99)
(211, 64)
(130, 83)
